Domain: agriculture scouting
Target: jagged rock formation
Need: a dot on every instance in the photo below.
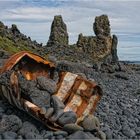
(101, 26)
(102, 47)
(12, 41)
(58, 35)
(99, 49)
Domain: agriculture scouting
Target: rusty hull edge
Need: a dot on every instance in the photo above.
(14, 59)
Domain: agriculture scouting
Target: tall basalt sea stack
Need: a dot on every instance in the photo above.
(98, 49)
(102, 47)
(58, 35)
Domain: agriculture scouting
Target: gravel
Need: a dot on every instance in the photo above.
(118, 111)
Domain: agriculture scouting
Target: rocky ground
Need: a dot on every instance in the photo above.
(118, 110)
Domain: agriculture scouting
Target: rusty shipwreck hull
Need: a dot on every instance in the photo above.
(78, 94)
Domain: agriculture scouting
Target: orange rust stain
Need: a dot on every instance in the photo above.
(14, 59)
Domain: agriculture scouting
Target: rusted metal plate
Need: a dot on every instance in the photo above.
(78, 94)
(29, 64)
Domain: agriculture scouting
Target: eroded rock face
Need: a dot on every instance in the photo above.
(93, 50)
(101, 26)
(102, 47)
(58, 35)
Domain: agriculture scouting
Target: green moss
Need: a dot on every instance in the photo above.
(8, 45)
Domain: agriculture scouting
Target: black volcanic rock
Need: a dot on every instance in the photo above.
(114, 48)
(58, 35)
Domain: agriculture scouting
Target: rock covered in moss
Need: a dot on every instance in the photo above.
(58, 35)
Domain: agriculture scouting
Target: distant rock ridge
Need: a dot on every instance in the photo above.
(101, 48)
(12, 41)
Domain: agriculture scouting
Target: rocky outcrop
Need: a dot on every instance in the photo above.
(58, 35)
(93, 50)
(102, 47)
(101, 26)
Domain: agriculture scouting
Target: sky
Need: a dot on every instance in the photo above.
(34, 18)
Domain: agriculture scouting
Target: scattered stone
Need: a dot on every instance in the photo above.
(81, 135)
(32, 135)
(56, 115)
(48, 135)
(57, 103)
(71, 128)
(47, 84)
(10, 123)
(138, 91)
(122, 76)
(9, 135)
(40, 97)
(101, 135)
(128, 132)
(90, 123)
(19, 137)
(63, 133)
(49, 112)
(60, 137)
(28, 127)
(67, 118)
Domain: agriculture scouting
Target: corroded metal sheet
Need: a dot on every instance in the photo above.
(29, 64)
(81, 96)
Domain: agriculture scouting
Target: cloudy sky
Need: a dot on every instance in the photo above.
(34, 17)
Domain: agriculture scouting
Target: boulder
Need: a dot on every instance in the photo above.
(81, 135)
(26, 128)
(9, 135)
(10, 123)
(72, 128)
(67, 118)
(91, 123)
(47, 84)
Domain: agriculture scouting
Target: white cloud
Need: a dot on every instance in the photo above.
(35, 20)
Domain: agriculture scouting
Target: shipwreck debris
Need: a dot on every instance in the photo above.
(73, 99)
